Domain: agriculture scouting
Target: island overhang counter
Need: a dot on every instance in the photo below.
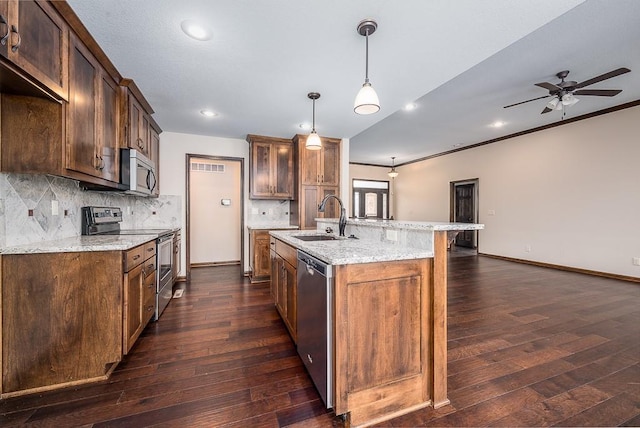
(389, 309)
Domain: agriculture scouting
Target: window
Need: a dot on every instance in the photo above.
(370, 199)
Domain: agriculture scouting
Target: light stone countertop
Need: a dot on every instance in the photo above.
(343, 251)
(410, 225)
(81, 244)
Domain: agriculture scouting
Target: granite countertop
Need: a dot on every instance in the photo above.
(412, 225)
(343, 251)
(81, 243)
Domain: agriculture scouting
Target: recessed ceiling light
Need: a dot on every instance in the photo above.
(410, 106)
(208, 113)
(497, 124)
(195, 30)
(305, 126)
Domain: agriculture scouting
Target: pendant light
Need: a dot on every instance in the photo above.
(393, 173)
(367, 100)
(313, 140)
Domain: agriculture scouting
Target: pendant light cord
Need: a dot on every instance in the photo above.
(313, 128)
(366, 67)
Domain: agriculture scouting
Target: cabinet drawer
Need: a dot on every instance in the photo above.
(149, 268)
(287, 252)
(149, 287)
(133, 258)
(149, 249)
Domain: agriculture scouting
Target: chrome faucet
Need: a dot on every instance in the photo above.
(342, 222)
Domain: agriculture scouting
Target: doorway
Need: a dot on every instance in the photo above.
(464, 209)
(214, 208)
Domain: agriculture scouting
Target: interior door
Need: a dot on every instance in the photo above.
(465, 208)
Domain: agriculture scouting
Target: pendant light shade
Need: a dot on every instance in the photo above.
(393, 173)
(313, 140)
(367, 100)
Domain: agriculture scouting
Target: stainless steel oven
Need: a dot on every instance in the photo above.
(164, 278)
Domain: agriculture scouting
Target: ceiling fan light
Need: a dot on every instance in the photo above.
(367, 100)
(553, 104)
(569, 100)
(313, 141)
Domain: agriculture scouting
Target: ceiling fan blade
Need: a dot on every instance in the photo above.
(546, 110)
(602, 77)
(598, 92)
(522, 102)
(549, 86)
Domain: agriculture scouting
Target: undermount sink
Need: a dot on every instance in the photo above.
(315, 237)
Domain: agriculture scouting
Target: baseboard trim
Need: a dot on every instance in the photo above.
(565, 268)
(213, 264)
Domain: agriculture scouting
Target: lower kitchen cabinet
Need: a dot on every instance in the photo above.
(259, 254)
(284, 283)
(68, 318)
(139, 292)
(61, 319)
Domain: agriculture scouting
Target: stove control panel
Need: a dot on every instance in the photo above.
(94, 217)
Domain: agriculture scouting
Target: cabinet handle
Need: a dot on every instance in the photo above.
(101, 163)
(3, 40)
(136, 257)
(322, 178)
(15, 47)
(150, 267)
(149, 308)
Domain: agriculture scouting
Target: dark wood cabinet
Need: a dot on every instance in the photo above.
(154, 151)
(136, 118)
(139, 292)
(92, 129)
(260, 264)
(284, 283)
(37, 39)
(271, 173)
(318, 175)
(61, 319)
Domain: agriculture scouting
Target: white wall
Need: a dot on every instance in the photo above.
(173, 150)
(571, 193)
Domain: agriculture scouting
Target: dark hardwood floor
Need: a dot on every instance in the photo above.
(528, 346)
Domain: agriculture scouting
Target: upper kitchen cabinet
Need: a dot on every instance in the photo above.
(319, 167)
(92, 119)
(271, 172)
(33, 37)
(136, 118)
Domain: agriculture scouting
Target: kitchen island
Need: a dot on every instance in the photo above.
(388, 316)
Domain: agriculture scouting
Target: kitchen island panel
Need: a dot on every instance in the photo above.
(383, 339)
(61, 319)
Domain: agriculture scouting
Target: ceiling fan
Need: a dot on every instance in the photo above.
(563, 93)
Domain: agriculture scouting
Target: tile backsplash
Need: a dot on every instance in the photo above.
(27, 203)
(262, 211)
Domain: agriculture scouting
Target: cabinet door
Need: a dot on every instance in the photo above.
(37, 43)
(309, 207)
(309, 165)
(282, 171)
(261, 261)
(281, 283)
(108, 115)
(291, 289)
(137, 138)
(274, 276)
(133, 303)
(332, 209)
(82, 117)
(154, 155)
(261, 170)
(330, 168)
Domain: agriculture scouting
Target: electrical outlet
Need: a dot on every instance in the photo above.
(54, 207)
(527, 248)
(636, 261)
(392, 235)
(491, 212)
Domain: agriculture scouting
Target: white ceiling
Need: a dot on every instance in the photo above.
(460, 61)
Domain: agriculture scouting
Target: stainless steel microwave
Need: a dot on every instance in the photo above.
(137, 173)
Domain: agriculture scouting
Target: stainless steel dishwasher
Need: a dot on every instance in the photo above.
(315, 318)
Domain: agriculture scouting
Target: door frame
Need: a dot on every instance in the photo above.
(188, 158)
(476, 202)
